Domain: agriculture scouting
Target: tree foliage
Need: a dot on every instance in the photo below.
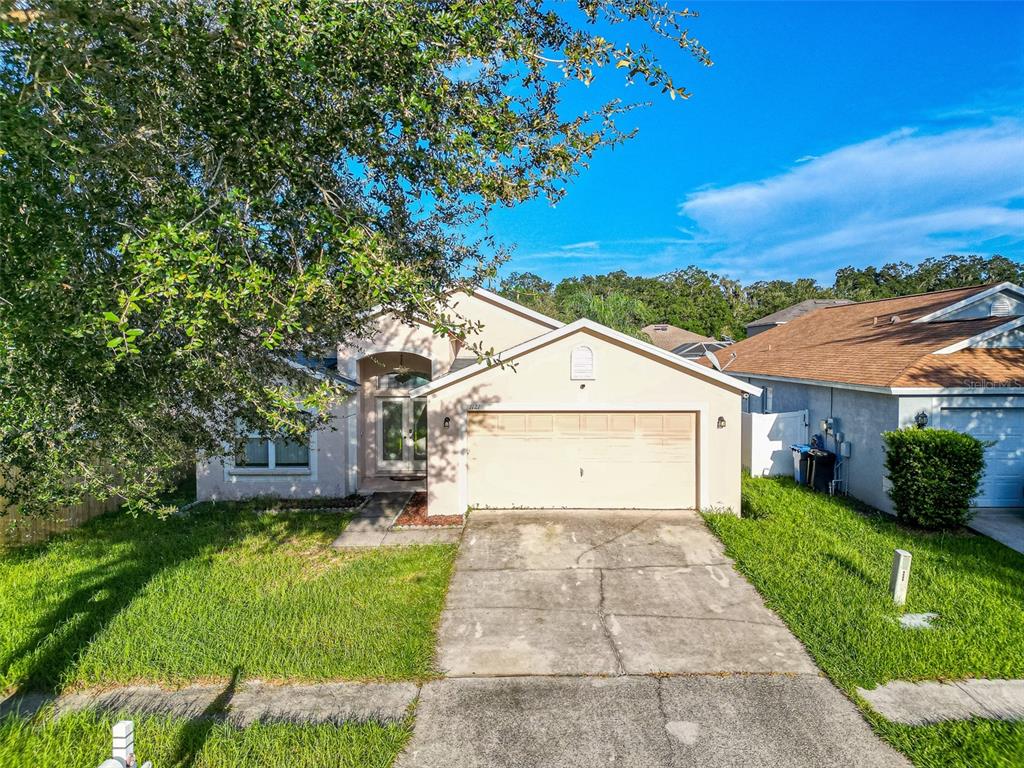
(938, 274)
(193, 192)
(617, 310)
(720, 307)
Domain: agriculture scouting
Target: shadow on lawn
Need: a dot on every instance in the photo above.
(143, 548)
(850, 567)
(197, 730)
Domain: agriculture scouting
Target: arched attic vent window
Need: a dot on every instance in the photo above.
(1001, 307)
(581, 363)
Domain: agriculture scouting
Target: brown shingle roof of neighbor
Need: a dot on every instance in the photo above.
(797, 310)
(862, 344)
(669, 337)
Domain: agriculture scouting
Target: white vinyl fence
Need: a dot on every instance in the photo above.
(766, 438)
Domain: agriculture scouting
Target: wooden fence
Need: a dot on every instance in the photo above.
(18, 530)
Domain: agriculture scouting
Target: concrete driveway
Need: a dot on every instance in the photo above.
(582, 638)
(596, 594)
(1004, 525)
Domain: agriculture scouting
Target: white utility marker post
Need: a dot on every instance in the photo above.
(124, 747)
(900, 576)
(124, 741)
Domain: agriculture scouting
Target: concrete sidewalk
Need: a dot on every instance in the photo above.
(252, 702)
(767, 721)
(933, 702)
(370, 527)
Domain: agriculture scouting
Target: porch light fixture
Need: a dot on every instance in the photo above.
(402, 368)
(447, 421)
(921, 420)
(721, 422)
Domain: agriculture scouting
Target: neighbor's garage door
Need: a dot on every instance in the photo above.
(582, 460)
(1003, 483)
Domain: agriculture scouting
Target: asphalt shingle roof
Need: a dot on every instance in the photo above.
(669, 337)
(863, 344)
(797, 310)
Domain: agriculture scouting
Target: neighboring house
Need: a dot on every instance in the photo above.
(566, 416)
(953, 359)
(789, 314)
(682, 342)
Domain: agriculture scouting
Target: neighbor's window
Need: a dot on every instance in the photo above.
(766, 400)
(284, 452)
(409, 380)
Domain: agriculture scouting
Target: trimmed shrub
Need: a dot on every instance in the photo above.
(934, 474)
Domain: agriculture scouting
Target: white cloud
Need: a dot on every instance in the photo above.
(903, 196)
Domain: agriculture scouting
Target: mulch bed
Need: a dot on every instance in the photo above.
(415, 516)
(319, 502)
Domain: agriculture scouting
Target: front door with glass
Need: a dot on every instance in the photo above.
(402, 434)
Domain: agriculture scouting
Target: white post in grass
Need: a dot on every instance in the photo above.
(124, 747)
(124, 741)
(900, 576)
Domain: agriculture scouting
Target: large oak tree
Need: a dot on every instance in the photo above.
(192, 192)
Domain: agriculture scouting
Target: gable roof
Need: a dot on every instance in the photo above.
(498, 301)
(669, 337)
(599, 330)
(880, 344)
(512, 306)
(984, 293)
(797, 310)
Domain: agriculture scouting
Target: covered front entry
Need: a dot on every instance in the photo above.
(582, 459)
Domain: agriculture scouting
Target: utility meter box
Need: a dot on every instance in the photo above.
(829, 426)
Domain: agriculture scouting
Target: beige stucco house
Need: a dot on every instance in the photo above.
(563, 416)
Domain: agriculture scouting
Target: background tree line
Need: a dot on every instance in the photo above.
(719, 306)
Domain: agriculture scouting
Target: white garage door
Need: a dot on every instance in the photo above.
(1003, 483)
(582, 460)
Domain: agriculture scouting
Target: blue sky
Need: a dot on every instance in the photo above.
(825, 135)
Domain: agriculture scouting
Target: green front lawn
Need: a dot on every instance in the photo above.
(823, 565)
(84, 739)
(221, 592)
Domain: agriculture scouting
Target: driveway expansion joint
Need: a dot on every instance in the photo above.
(667, 566)
(608, 634)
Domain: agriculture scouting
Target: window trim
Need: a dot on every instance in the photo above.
(399, 391)
(231, 468)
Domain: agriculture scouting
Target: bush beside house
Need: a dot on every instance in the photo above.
(934, 475)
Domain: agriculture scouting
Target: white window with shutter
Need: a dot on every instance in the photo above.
(581, 364)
